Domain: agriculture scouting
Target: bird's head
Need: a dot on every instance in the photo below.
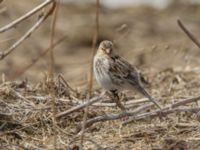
(106, 47)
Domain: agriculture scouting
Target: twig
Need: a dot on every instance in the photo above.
(19, 129)
(166, 110)
(27, 34)
(3, 125)
(95, 99)
(79, 107)
(188, 33)
(66, 84)
(186, 125)
(94, 42)
(24, 17)
(157, 113)
(114, 116)
(52, 35)
(51, 71)
(127, 104)
(34, 61)
(183, 102)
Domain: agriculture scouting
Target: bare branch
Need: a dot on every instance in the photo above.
(188, 33)
(79, 107)
(94, 42)
(90, 83)
(27, 34)
(52, 35)
(164, 111)
(127, 104)
(24, 17)
(158, 113)
(52, 91)
(35, 60)
(114, 116)
(186, 101)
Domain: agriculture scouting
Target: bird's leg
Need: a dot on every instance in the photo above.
(119, 104)
(117, 100)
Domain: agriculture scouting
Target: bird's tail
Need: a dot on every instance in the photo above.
(146, 94)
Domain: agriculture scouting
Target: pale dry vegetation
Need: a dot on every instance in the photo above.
(38, 111)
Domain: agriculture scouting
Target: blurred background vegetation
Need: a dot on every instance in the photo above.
(146, 32)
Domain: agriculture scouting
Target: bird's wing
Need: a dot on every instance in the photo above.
(122, 70)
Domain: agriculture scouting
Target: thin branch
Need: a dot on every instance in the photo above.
(27, 34)
(52, 35)
(166, 110)
(188, 33)
(157, 113)
(79, 107)
(114, 116)
(60, 76)
(34, 61)
(51, 71)
(24, 17)
(186, 101)
(94, 42)
(127, 104)
(95, 99)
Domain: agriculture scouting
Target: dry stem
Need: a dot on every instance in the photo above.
(51, 71)
(188, 33)
(94, 42)
(79, 107)
(24, 17)
(28, 33)
(164, 111)
(21, 71)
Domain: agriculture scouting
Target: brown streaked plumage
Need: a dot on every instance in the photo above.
(115, 74)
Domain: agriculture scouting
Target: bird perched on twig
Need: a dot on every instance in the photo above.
(115, 74)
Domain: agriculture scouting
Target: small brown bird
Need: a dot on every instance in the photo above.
(115, 74)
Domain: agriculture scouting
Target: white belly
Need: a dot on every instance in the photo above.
(103, 78)
(105, 82)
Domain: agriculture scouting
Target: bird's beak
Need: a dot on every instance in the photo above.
(108, 50)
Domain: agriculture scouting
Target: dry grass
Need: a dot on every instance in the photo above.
(26, 113)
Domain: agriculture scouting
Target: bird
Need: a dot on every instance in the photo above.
(115, 74)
